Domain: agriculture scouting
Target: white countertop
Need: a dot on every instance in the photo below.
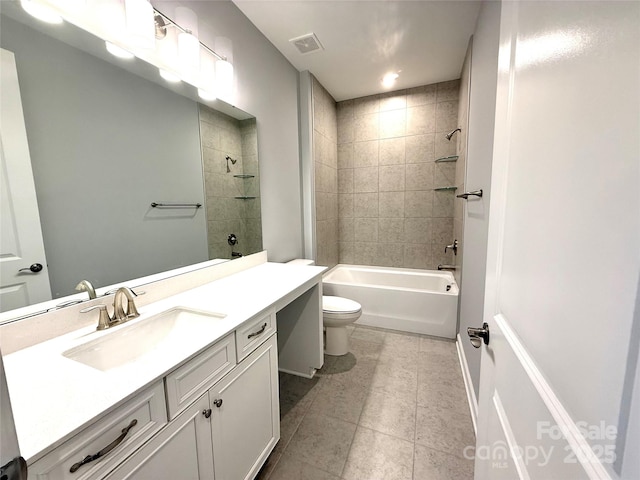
(54, 397)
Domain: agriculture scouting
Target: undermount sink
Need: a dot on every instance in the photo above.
(158, 336)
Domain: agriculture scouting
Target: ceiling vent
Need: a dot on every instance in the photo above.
(307, 44)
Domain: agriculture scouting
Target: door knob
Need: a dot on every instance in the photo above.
(477, 335)
(218, 402)
(35, 268)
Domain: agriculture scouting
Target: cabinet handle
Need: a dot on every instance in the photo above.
(206, 413)
(259, 332)
(90, 458)
(217, 402)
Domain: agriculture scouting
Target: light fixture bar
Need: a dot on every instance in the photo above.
(170, 23)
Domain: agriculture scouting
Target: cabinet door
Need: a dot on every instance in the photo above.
(183, 450)
(246, 414)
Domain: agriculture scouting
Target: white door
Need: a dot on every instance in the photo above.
(564, 235)
(24, 275)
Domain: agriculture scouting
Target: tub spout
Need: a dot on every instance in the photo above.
(447, 267)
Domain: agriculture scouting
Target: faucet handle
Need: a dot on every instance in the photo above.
(453, 246)
(104, 321)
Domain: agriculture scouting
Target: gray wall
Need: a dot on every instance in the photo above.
(390, 211)
(479, 154)
(104, 144)
(267, 86)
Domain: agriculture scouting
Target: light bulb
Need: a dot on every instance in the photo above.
(188, 55)
(389, 79)
(224, 78)
(141, 30)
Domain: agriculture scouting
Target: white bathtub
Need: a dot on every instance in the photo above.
(418, 301)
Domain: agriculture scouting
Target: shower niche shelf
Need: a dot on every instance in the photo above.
(446, 189)
(244, 176)
(451, 158)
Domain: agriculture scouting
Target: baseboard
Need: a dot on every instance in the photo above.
(468, 384)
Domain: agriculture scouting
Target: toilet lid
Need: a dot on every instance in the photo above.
(339, 305)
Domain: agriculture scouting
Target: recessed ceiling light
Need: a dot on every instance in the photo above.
(389, 79)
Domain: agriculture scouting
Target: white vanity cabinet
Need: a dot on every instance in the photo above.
(228, 431)
(124, 430)
(245, 419)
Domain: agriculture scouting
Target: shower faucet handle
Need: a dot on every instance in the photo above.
(453, 246)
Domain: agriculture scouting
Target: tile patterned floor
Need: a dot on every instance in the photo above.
(394, 408)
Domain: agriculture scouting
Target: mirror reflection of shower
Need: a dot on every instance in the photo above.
(233, 162)
(450, 134)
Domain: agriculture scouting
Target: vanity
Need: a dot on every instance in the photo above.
(189, 389)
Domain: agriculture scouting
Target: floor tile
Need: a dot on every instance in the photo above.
(349, 369)
(391, 415)
(431, 464)
(443, 430)
(368, 335)
(291, 468)
(434, 345)
(322, 442)
(376, 456)
(343, 400)
(362, 349)
(405, 392)
(450, 396)
(393, 380)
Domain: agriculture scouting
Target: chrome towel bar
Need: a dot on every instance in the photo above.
(175, 205)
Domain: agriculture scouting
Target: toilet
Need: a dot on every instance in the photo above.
(337, 313)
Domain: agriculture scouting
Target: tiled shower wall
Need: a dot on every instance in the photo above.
(461, 164)
(325, 160)
(390, 211)
(222, 135)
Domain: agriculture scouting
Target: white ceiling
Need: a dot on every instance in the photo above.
(425, 40)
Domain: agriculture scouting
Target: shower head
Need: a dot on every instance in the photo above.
(233, 162)
(450, 134)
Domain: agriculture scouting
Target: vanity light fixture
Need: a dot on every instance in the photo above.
(224, 78)
(41, 11)
(188, 53)
(389, 79)
(207, 82)
(141, 30)
(117, 51)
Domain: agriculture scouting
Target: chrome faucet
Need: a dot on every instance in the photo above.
(85, 286)
(119, 314)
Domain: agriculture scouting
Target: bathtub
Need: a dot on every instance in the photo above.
(417, 301)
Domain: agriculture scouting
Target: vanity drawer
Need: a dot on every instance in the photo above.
(145, 415)
(188, 382)
(253, 332)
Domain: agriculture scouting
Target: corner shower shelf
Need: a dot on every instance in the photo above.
(244, 197)
(446, 189)
(451, 158)
(244, 176)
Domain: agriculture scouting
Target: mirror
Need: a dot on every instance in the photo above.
(107, 139)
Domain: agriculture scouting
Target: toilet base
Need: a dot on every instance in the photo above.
(336, 341)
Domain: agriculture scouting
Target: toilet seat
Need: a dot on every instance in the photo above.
(338, 305)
